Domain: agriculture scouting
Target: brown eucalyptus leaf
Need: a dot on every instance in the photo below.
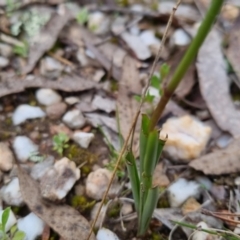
(66, 221)
(65, 83)
(126, 104)
(214, 84)
(46, 38)
(222, 161)
(233, 52)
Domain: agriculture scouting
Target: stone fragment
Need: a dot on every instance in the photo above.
(74, 119)
(24, 148)
(83, 139)
(6, 157)
(24, 112)
(11, 193)
(47, 96)
(97, 183)
(187, 138)
(59, 179)
(31, 225)
(181, 190)
(56, 110)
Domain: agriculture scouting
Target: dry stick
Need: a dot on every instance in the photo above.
(136, 115)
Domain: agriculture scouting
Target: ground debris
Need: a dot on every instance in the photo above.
(63, 219)
(224, 161)
(214, 84)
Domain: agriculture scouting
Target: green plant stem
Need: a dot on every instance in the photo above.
(187, 60)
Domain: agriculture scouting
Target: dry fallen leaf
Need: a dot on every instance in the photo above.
(64, 83)
(233, 52)
(46, 38)
(223, 161)
(214, 84)
(66, 221)
(107, 54)
(188, 80)
(126, 104)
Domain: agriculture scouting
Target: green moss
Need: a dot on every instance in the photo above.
(114, 210)
(85, 170)
(114, 86)
(4, 135)
(80, 155)
(81, 203)
(8, 121)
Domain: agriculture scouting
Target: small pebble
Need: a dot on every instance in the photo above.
(181, 190)
(83, 139)
(6, 157)
(180, 38)
(59, 179)
(99, 23)
(24, 148)
(187, 138)
(11, 193)
(5, 50)
(127, 208)
(24, 112)
(11, 220)
(3, 62)
(106, 234)
(224, 140)
(55, 111)
(31, 225)
(200, 235)
(97, 183)
(47, 97)
(50, 68)
(105, 104)
(74, 119)
(71, 100)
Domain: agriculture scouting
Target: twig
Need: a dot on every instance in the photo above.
(61, 59)
(136, 115)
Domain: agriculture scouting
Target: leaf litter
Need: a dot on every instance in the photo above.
(68, 40)
(66, 221)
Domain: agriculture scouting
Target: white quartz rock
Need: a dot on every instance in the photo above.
(24, 148)
(181, 190)
(11, 220)
(47, 97)
(99, 23)
(105, 104)
(180, 38)
(83, 139)
(24, 112)
(106, 234)
(6, 157)
(11, 193)
(59, 179)
(31, 225)
(187, 138)
(200, 235)
(74, 119)
(97, 183)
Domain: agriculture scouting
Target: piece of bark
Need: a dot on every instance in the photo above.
(214, 84)
(126, 104)
(65, 83)
(223, 161)
(66, 221)
(46, 38)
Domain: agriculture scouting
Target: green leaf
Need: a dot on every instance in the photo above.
(137, 98)
(155, 81)
(149, 98)
(148, 208)
(5, 217)
(164, 70)
(19, 235)
(134, 177)
(82, 16)
(13, 230)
